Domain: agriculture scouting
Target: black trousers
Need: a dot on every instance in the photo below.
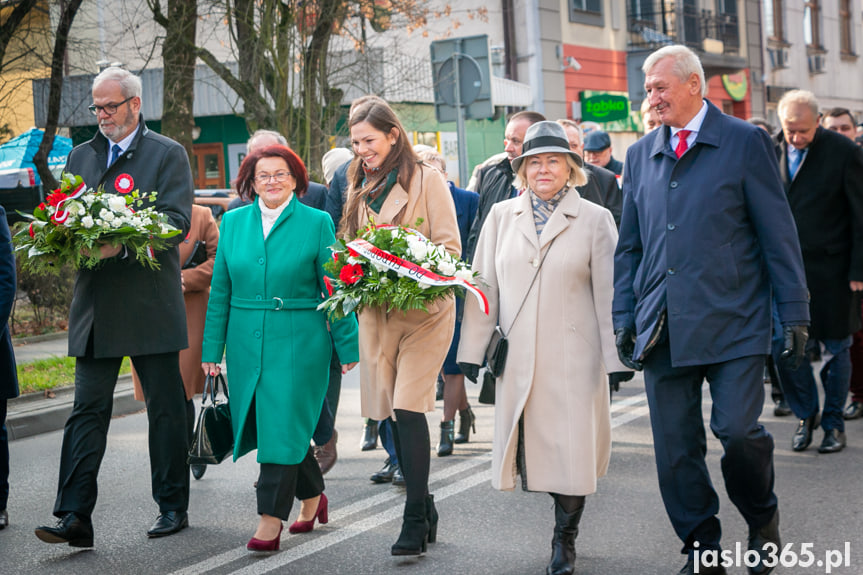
(86, 432)
(279, 484)
(4, 457)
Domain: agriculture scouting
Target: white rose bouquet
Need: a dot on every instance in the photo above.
(396, 268)
(75, 220)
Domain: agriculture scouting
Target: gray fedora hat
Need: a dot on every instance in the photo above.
(545, 138)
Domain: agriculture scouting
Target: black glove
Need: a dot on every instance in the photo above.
(470, 370)
(616, 377)
(794, 347)
(624, 339)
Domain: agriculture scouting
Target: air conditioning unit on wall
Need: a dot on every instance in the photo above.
(778, 58)
(816, 63)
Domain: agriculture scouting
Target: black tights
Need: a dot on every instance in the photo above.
(413, 447)
(570, 503)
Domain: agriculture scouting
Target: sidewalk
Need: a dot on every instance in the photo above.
(34, 413)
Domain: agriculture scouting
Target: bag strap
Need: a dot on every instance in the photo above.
(211, 387)
(530, 287)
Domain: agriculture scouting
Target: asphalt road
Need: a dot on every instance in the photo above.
(482, 531)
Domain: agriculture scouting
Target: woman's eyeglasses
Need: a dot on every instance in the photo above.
(109, 109)
(278, 177)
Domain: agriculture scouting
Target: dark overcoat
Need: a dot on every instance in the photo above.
(705, 237)
(131, 309)
(8, 287)
(826, 198)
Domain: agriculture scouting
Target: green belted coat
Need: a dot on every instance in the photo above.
(262, 313)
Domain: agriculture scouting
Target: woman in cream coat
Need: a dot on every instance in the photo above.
(401, 353)
(552, 422)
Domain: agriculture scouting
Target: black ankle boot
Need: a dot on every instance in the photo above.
(446, 438)
(563, 543)
(466, 420)
(415, 530)
(431, 517)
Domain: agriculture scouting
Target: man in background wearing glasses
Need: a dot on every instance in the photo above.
(124, 309)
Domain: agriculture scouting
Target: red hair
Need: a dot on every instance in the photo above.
(246, 175)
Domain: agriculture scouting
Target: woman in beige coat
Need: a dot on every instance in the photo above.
(401, 353)
(552, 422)
(196, 277)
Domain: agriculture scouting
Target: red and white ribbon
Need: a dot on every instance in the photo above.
(414, 271)
(60, 215)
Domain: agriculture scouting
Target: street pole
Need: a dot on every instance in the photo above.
(460, 131)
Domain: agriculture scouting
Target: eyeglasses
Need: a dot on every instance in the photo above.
(109, 109)
(278, 177)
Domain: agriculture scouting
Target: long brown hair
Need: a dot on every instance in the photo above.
(380, 116)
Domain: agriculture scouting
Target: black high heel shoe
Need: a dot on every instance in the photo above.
(466, 422)
(431, 517)
(444, 447)
(415, 530)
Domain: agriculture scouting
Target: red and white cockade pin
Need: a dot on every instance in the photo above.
(124, 183)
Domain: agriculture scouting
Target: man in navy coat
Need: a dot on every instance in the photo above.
(8, 371)
(706, 235)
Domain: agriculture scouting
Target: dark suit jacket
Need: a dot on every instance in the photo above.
(466, 203)
(336, 194)
(131, 309)
(826, 198)
(8, 288)
(602, 189)
(705, 238)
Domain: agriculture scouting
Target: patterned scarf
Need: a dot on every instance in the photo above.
(542, 209)
(384, 184)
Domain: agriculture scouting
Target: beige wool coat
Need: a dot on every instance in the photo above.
(401, 353)
(561, 346)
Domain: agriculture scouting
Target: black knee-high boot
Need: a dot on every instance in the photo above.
(411, 437)
(567, 514)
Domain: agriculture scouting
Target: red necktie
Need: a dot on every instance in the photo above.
(682, 146)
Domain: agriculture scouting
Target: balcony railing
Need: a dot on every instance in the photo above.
(652, 23)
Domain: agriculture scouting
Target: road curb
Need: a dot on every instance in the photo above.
(16, 341)
(33, 414)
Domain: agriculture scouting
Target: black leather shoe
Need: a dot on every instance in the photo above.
(4, 518)
(385, 475)
(71, 529)
(689, 569)
(854, 410)
(781, 408)
(398, 477)
(168, 523)
(758, 538)
(370, 436)
(834, 441)
(198, 470)
(803, 434)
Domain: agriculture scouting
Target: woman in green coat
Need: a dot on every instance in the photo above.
(267, 282)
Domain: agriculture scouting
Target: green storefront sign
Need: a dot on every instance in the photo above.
(604, 107)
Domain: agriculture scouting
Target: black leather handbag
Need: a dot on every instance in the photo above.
(198, 255)
(214, 438)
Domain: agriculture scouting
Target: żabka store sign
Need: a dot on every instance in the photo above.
(604, 108)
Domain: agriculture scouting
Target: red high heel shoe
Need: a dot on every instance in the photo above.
(321, 515)
(256, 544)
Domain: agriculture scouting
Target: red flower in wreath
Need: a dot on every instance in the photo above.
(124, 183)
(30, 230)
(327, 281)
(351, 274)
(56, 197)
